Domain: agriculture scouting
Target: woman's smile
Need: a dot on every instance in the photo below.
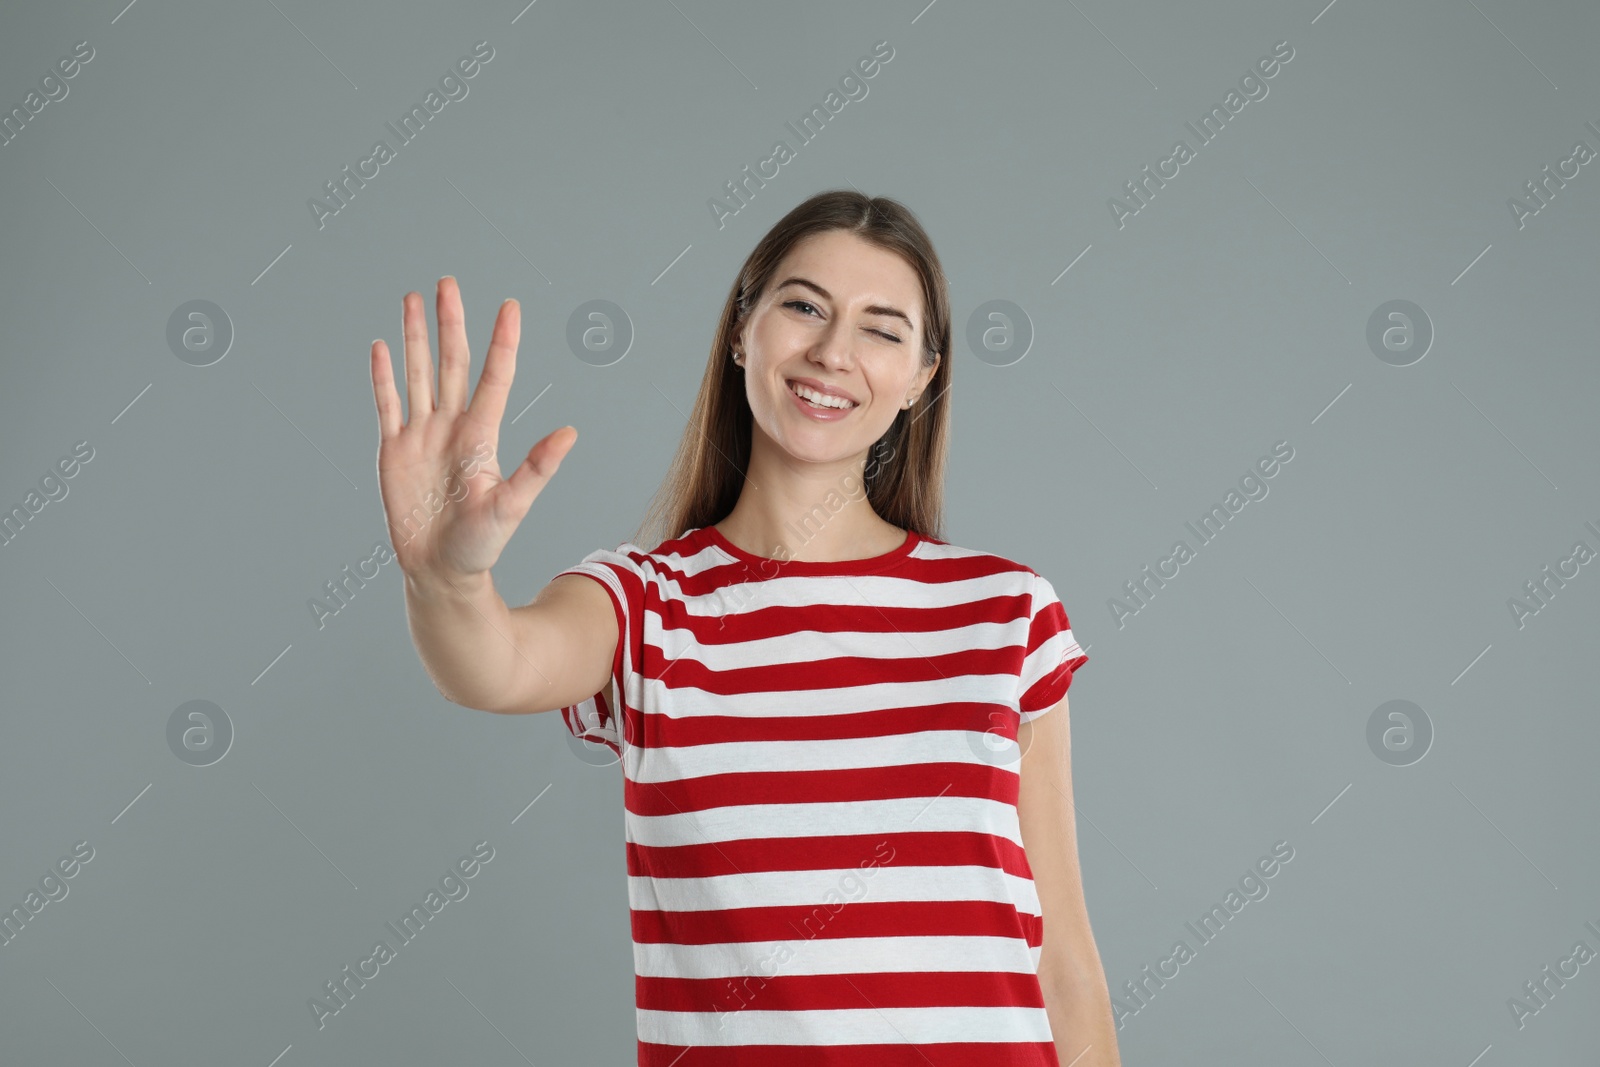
(820, 412)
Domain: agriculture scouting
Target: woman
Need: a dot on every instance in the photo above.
(832, 723)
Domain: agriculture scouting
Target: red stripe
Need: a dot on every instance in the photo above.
(1048, 691)
(947, 848)
(848, 615)
(723, 575)
(847, 919)
(963, 1054)
(818, 992)
(669, 732)
(791, 682)
(997, 781)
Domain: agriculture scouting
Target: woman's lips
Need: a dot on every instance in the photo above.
(820, 414)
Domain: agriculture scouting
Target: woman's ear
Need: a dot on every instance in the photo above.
(924, 376)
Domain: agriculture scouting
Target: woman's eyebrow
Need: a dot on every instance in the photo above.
(875, 309)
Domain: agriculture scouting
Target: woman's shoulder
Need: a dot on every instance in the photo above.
(973, 559)
(672, 554)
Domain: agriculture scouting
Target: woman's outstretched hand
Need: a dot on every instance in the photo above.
(450, 512)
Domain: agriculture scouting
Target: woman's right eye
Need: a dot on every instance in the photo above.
(799, 303)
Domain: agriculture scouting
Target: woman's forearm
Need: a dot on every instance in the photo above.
(462, 630)
(1079, 1008)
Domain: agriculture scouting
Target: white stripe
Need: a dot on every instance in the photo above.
(676, 642)
(948, 814)
(850, 1026)
(685, 702)
(826, 889)
(977, 746)
(1055, 651)
(839, 955)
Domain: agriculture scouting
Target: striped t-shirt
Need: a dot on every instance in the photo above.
(820, 763)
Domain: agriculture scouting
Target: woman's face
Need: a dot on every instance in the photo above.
(843, 313)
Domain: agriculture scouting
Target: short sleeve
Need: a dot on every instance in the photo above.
(620, 572)
(1051, 654)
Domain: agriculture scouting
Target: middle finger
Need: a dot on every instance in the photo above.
(454, 355)
(419, 362)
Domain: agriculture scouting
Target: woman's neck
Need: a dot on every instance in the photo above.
(814, 535)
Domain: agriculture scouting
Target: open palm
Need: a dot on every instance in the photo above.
(449, 508)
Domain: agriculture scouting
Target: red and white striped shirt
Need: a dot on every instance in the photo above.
(820, 762)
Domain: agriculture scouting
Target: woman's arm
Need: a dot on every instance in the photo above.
(482, 654)
(450, 513)
(1070, 974)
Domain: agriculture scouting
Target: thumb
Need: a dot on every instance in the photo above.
(516, 494)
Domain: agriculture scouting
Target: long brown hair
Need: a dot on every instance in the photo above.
(904, 473)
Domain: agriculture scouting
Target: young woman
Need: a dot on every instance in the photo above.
(833, 724)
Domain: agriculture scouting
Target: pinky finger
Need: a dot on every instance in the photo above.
(383, 392)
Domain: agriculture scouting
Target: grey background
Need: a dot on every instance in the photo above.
(1229, 314)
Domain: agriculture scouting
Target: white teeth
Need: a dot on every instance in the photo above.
(821, 400)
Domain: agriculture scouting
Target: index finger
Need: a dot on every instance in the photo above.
(383, 391)
(499, 366)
